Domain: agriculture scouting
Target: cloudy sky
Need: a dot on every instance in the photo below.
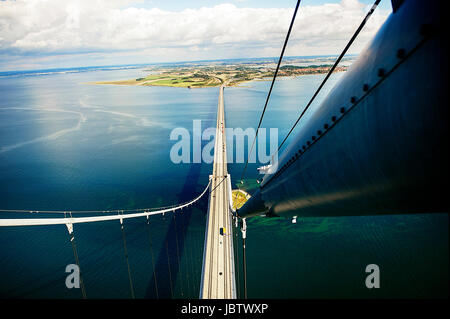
(38, 34)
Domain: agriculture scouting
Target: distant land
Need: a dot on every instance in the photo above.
(204, 73)
(229, 72)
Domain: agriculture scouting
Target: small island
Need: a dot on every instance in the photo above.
(239, 198)
(192, 75)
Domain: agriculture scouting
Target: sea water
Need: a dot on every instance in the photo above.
(69, 145)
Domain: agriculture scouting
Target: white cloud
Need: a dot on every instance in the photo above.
(55, 26)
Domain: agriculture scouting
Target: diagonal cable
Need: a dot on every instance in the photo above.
(273, 81)
(372, 9)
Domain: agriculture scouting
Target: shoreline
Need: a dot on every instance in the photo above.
(236, 76)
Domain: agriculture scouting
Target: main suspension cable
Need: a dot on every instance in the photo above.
(366, 18)
(115, 211)
(271, 85)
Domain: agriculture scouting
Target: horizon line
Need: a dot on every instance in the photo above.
(5, 72)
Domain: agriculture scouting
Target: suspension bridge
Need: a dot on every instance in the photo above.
(378, 144)
(218, 280)
(218, 270)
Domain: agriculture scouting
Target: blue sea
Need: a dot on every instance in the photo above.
(69, 145)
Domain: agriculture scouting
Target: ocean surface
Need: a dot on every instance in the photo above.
(69, 145)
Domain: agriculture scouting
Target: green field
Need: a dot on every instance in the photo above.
(213, 76)
(180, 79)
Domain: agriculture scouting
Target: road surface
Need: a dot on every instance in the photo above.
(218, 280)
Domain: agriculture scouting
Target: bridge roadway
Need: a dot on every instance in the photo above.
(218, 280)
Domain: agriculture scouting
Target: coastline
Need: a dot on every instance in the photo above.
(230, 76)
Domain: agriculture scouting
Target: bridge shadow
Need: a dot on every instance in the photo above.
(176, 234)
(175, 239)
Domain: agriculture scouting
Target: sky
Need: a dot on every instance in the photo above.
(40, 34)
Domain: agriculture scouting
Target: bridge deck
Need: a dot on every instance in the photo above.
(218, 264)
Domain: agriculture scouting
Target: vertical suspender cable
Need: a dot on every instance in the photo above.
(245, 268)
(198, 260)
(126, 258)
(153, 259)
(187, 253)
(75, 255)
(196, 247)
(178, 254)
(170, 273)
(191, 245)
(74, 248)
(236, 243)
(244, 235)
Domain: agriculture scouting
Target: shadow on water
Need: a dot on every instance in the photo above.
(175, 239)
